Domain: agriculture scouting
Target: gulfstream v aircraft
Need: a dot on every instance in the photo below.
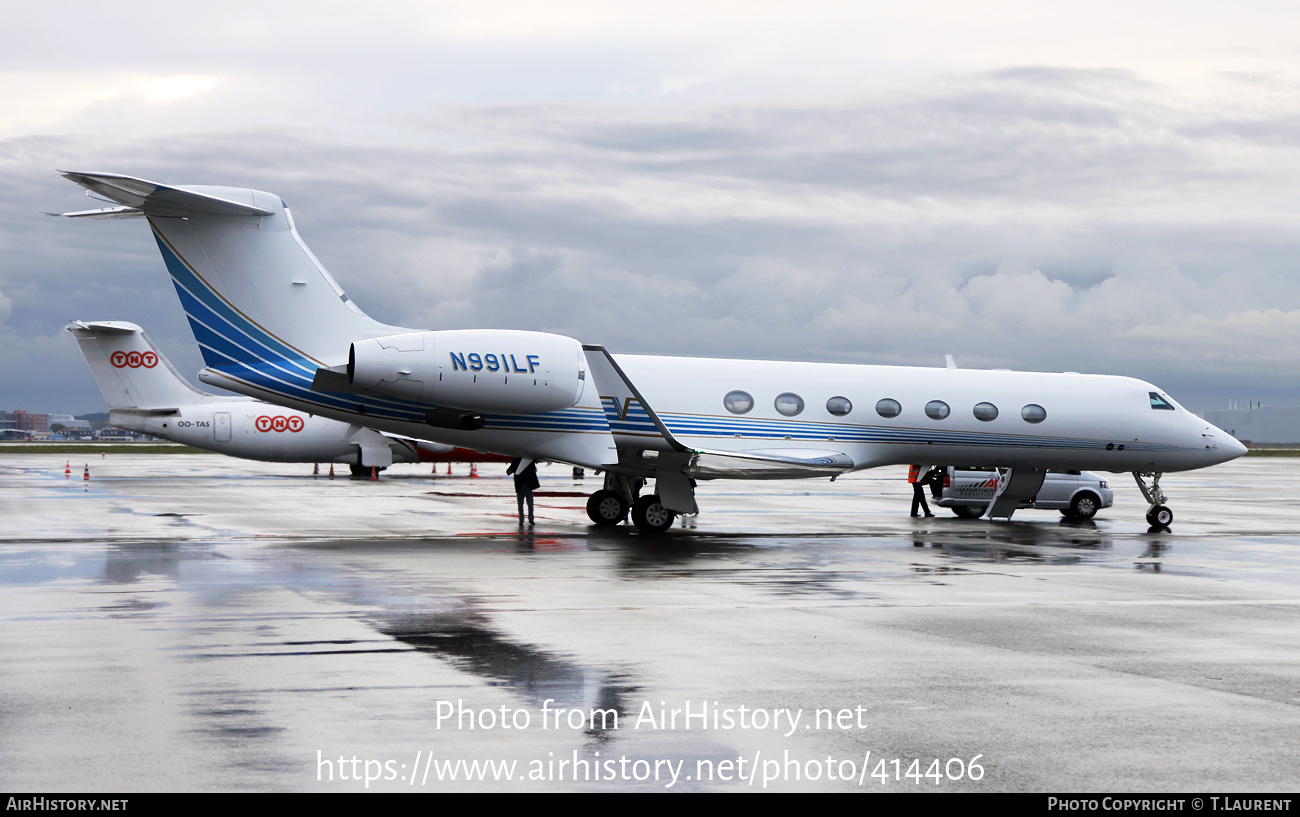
(145, 393)
(273, 324)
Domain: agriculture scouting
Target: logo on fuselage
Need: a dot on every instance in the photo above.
(133, 360)
(279, 423)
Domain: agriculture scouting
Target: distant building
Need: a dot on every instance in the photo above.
(25, 421)
(68, 421)
(1266, 425)
(121, 434)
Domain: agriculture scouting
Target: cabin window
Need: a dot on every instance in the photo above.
(738, 402)
(789, 404)
(839, 406)
(1033, 413)
(985, 412)
(937, 410)
(889, 408)
(1160, 403)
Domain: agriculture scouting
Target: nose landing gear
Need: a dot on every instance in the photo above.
(1158, 515)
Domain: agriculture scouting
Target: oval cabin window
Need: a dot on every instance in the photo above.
(738, 402)
(789, 404)
(937, 410)
(1033, 413)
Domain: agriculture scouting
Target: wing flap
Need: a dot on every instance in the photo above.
(785, 463)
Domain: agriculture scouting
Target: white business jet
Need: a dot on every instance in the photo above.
(145, 393)
(273, 324)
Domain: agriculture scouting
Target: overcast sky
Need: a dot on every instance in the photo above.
(1105, 187)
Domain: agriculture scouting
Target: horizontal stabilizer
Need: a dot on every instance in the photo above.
(106, 327)
(153, 199)
(786, 463)
(104, 212)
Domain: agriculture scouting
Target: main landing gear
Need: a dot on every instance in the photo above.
(606, 507)
(1158, 515)
(610, 505)
(650, 515)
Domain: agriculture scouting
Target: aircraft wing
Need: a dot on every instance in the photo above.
(633, 416)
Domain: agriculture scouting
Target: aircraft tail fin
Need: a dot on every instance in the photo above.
(130, 371)
(263, 308)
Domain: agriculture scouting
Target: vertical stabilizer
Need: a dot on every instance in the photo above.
(130, 371)
(225, 246)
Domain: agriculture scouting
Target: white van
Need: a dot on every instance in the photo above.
(1076, 494)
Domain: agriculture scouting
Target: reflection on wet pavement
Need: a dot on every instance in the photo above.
(185, 628)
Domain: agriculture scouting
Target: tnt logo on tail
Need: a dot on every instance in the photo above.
(134, 360)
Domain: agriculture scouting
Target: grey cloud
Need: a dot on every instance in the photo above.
(1030, 218)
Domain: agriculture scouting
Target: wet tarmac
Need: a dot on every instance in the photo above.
(201, 623)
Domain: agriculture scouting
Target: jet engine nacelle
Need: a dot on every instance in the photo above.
(503, 370)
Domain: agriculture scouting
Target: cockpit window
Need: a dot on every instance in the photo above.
(1160, 403)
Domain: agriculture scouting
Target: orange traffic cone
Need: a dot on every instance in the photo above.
(67, 470)
(473, 470)
(86, 475)
(449, 469)
(331, 470)
(315, 469)
(374, 474)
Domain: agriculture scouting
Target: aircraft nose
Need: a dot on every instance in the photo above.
(1221, 445)
(1232, 445)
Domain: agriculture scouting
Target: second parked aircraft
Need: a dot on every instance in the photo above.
(145, 393)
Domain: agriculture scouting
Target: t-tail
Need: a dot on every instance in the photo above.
(274, 325)
(130, 371)
(265, 312)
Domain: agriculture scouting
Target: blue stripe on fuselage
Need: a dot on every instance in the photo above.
(235, 346)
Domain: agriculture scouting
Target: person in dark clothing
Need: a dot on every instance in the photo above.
(525, 483)
(918, 488)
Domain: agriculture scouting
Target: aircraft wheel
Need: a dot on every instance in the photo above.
(649, 514)
(1085, 506)
(967, 511)
(1160, 516)
(606, 508)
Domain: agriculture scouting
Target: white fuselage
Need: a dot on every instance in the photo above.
(249, 429)
(1096, 422)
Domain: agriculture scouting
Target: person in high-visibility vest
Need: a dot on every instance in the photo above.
(918, 490)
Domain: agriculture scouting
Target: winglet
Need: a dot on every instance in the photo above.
(613, 384)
